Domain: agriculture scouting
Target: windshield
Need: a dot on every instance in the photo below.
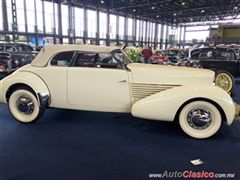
(121, 56)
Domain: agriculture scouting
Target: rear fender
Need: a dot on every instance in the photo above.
(27, 79)
(165, 105)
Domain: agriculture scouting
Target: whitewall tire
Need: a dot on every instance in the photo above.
(24, 106)
(200, 119)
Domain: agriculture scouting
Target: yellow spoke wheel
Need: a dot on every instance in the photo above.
(224, 81)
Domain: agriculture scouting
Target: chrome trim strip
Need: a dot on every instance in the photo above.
(141, 90)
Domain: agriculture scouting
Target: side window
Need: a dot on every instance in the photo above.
(1, 48)
(107, 60)
(10, 49)
(232, 55)
(62, 59)
(21, 48)
(98, 60)
(195, 54)
(206, 54)
(85, 60)
(222, 55)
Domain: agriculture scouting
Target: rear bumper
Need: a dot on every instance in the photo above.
(44, 99)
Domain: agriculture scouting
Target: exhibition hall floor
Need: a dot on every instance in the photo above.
(82, 145)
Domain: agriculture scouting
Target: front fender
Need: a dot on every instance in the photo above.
(25, 78)
(165, 105)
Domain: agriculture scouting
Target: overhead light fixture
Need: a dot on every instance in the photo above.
(202, 11)
(134, 10)
(102, 2)
(174, 14)
(183, 3)
(157, 16)
(153, 7)
(235, 7)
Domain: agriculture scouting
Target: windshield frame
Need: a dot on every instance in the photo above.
(127, 59)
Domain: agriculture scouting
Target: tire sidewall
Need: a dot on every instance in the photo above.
(19, 116)
(205, 133)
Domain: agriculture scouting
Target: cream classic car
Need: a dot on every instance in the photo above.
(96, 78)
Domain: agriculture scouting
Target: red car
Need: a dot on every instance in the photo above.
(159, 57)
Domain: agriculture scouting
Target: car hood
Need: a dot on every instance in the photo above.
(163, 74)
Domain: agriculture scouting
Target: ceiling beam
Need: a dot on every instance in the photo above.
(189, 9)
(140, 5)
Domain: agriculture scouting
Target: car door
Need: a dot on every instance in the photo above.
(96, 81)
(55, 77)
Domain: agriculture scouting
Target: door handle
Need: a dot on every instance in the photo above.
(122, 81)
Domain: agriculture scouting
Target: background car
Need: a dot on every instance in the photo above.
(159, 57)
(7, 63)
(24, 53)
(221, 60)
(171, 57)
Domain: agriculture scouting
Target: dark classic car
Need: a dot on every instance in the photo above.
(221, 60)
(24, 53)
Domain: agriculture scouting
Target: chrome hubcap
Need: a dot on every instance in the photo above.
(199, 119)
(25, 105)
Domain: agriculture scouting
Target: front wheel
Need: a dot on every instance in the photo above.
(23, 105)
(200, 119)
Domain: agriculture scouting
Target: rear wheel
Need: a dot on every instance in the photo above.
(24, 106)
(225, 81)
(200, 119)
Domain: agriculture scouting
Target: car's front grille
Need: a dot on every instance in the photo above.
(142, 90)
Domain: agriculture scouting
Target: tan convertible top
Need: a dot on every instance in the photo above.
(47, 52)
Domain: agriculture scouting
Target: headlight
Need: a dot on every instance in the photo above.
(16, 62)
